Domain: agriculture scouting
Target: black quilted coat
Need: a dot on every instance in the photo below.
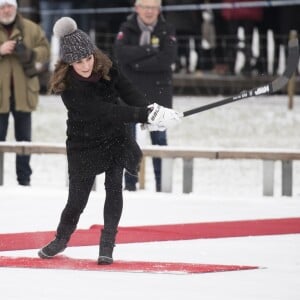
(96, 127)
(149, 67)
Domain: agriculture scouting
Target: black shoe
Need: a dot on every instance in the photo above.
(53, 248)
(24, 182)
(158, 188)
(130, 188)
(107, 244)
(105, 257)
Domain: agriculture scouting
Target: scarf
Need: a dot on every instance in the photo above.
(93, 78)
(146, 31)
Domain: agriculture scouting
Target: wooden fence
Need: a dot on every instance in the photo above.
(168, 154)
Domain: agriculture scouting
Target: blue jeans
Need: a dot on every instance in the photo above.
(157, 138)
(22, 133)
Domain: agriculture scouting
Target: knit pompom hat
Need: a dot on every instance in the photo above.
(74, 44)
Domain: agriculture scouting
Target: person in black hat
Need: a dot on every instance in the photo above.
(91, 85)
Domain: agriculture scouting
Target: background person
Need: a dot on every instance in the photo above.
(146, 48)
(247, 18)
(90, 85)
(22, 44)
(51, 12)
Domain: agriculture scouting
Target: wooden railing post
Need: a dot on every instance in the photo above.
(268, 177)
(188, 171)
(291, 86)
(142, 174)
(1, 167)
(287, 178)
(166, 175)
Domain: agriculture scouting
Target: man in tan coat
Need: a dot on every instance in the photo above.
(22, 45)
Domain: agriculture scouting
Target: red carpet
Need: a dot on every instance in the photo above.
(62, 262)
(35, 240)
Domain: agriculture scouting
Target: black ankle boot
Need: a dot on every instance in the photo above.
(53, 248)
(59, 244)
(107, 244)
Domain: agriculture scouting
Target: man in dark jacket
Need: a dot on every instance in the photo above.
(146, 48)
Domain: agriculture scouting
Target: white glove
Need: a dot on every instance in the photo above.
(162, 116)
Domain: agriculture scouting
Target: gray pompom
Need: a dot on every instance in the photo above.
(64, 26)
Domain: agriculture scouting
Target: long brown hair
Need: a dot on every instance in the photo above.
(57, 82)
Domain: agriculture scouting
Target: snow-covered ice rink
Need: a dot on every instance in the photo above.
(223, 191)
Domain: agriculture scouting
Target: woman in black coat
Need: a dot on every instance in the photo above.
(91, 87)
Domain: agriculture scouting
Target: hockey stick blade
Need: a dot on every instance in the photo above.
(276, 85)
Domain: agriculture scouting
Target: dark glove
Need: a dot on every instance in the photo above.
(26, 57)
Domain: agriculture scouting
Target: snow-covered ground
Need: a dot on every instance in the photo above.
(223, 190)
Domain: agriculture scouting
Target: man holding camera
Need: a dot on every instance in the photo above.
(22, 46)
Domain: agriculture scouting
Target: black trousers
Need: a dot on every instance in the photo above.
(22, 128)
(79, 191)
